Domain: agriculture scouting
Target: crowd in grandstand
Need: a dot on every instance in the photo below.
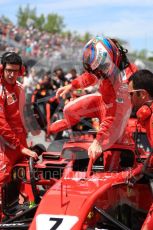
(34, 43)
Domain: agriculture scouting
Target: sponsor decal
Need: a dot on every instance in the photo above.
(123, 75)
(12, 225)
(11, 98)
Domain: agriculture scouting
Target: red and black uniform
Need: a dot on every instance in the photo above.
(112, 105)
(12, 131)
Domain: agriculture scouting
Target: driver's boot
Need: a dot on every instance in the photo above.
(58, 126)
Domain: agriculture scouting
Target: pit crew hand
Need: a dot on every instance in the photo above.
(63, 90)
(29, 153)
(95, 150)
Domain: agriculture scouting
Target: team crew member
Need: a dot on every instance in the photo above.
(13, 146)
(141, 91)
(105, 61)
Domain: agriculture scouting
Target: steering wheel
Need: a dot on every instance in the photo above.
(33, 180)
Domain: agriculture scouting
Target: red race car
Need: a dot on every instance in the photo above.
(72, 192)
(105, 194)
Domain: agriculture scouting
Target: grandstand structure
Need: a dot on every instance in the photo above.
(47, 52)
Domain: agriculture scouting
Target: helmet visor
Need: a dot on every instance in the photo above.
(96, 60)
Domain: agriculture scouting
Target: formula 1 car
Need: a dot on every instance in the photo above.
(105, 194)
(72, 192)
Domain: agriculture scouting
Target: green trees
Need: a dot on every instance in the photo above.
(53, 23)
(24, 16)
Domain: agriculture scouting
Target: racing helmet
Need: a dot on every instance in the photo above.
(101, 57)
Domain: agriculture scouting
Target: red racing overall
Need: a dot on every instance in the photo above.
(111, 105)
(12, 131)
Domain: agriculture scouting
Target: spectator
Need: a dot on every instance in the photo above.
(58, 78)
(29, 83)
(71, 75)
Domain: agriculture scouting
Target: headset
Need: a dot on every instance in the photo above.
(18, 61)
(144, 112)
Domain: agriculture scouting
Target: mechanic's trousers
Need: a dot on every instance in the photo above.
(8, 157)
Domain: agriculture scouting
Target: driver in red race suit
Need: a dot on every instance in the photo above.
(13, 146)
(105, 61)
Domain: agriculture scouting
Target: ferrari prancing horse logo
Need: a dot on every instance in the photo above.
(11, 98)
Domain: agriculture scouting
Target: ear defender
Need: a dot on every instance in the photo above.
(22, 71)
(1, 69)
(144, 112)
